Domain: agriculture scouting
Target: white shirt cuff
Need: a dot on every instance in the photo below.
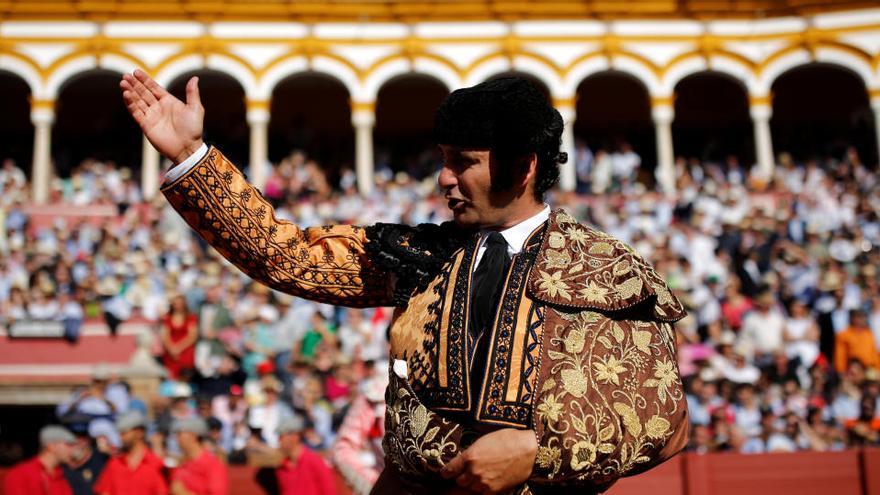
(183, 167)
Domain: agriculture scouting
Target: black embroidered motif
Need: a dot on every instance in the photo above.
(414, 254)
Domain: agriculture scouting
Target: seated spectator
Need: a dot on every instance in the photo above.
(856, 342)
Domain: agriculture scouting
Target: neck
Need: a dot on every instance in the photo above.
(48, 461)
(294, 453)
(518, 214)
(193, 451)
(137, 451)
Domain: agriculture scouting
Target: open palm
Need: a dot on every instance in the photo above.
(173, 127)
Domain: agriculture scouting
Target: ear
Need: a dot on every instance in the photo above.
(528, 164)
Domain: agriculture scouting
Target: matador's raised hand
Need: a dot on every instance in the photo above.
(174, 128)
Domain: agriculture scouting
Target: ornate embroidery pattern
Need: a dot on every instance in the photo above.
(327, 265)
(579, 267)
(417, 441)
(612, 389)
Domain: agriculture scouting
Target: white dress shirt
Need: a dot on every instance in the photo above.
(515, 236)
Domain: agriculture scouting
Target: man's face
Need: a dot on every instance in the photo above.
(466, 180)
(63, 452)
(130, 438)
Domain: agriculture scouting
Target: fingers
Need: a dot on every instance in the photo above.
(139, 89)
(193, 98)
(454, 468)
(152, 86)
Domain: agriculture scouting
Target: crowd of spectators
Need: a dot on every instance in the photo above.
(779, 351)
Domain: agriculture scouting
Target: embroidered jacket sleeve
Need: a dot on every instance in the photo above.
(325, 264)
(611, 401)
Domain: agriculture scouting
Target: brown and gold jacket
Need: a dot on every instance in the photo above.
(582, 350)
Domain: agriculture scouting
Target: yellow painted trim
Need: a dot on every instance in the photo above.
(510, 56)
(258, 105)
(759, 101)
(41, 104)
(362, 106)
(565, 102)
(662, 101)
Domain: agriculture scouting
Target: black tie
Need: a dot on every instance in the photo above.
(488, 279)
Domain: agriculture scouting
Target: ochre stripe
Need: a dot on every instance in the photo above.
(520, 333)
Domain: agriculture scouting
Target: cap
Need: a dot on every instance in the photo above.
(190, 425)
(130, 420)
(290, 424)
(236, 390)
(101, 372)
(102, 427)
(55, 434)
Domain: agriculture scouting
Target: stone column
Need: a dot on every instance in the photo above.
(42, 116)
(149, 170)
(662, 112)
(567, 172)
(363, 118)
(258, 120)
(761, 109)
(874, 95)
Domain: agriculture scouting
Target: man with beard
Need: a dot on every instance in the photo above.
(136, 470)
(530, 353)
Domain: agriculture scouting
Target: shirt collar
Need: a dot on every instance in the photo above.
(517, 235)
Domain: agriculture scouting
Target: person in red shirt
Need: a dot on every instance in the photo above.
(201, 472)
(180, 331)
(42, 474)
(302, 472)
(136, 470)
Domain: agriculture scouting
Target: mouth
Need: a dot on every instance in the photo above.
(455, 203)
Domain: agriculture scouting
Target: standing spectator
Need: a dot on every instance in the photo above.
(856, 342)
(201, 472)
(42, 475)
(302, 472)
(762, 331)
(136, 470)
(358, 449)
(86, 462)
(267, 416)
(179, 335)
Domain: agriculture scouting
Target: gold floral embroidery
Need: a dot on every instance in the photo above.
(594, 293)
(549, 408)
(553, 285)
(607, 370)
(604, 413)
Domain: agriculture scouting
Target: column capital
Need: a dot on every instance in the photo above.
(42, 111)
(662, 108)
(761, 106)
(567, 108)
(363, 113)
(874, 97)
(258, 111)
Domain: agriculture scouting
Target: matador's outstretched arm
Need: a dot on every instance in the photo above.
(326, 264)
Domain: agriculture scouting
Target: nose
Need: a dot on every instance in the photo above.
(447, 179)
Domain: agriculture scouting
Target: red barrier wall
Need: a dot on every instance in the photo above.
(851, 472)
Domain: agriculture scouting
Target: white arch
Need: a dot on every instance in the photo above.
(400, 66)
(582, 70)
(178, 68)
(486, 69)
(117, 63)
(520, 63)
(25, 71)
(640, 71)
(838, 56)
(390, 69)
(277, 73)
(545, 73)
(697, 64)
(339, 70)
(438, 70)
(236, 70)
(66, 71)
(781, 65)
